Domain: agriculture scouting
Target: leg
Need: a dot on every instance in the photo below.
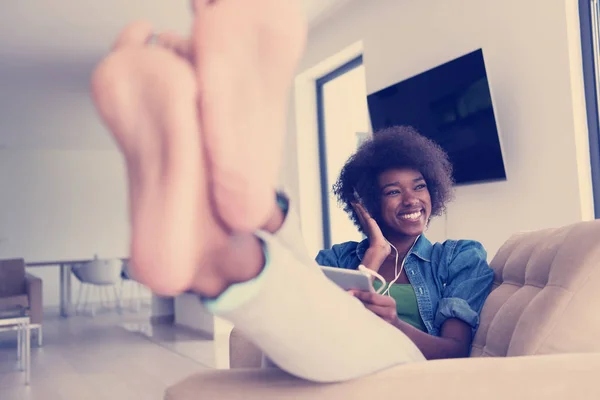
(79, 293)
(27, 351)
(92, 288)
(309, 327)
(86, 293)
(65, 290)
(40, 336)
(106, 297)
(147, 97)
(138, 296)
(246, 57)
(20, 345)
(101, 294)
(118, 300)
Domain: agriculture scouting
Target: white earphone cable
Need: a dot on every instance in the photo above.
(362, 268)
(396, 272)
(386, 290)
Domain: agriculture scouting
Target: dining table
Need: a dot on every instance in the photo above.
(66, 268)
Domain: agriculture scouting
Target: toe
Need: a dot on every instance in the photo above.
(135, 34)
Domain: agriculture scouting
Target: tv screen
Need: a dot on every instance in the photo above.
(451, 104)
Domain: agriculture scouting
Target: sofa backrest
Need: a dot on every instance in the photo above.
(546, 296)
(12, 277)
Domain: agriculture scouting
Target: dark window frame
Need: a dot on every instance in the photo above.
(320, 83)
(591, 62)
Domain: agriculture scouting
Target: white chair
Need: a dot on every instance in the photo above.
(100, 274)
(136, 292)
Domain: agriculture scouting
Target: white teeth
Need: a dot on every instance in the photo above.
(412, 216)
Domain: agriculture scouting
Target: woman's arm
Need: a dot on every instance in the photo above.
(454, 340)
(374, 257)
(455, 335)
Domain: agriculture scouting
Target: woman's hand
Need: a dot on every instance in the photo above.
(383, 306)
(379, 248)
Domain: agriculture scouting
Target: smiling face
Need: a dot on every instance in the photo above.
(405, 202)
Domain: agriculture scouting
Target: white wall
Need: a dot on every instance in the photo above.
(62, 205)
(533, 59)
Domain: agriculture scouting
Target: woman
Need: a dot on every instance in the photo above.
(257, 276)
(402, 180)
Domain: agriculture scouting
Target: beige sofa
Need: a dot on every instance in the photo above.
(539, 338)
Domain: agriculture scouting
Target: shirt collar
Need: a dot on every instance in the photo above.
(421, 249)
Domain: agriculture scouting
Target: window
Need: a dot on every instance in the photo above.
(589, 13)
(343, 123)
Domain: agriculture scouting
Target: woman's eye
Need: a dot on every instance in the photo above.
(420, 187)
(392, 193)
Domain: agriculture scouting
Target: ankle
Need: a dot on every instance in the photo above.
(245, 259)
(240, 261)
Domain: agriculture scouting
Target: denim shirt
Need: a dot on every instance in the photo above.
(450, 279)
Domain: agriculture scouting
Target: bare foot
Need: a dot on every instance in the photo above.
(246, 53)
(146, 95)
(148, 98)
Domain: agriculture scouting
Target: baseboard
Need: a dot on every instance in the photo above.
(51, 309)
(162, 319)
(55, 310)
(203, 335)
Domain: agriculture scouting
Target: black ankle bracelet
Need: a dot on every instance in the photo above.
(283, 202)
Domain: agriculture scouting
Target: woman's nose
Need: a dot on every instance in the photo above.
(409, 199)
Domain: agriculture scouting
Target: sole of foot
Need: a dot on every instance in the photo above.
(246, 54)
(147, 98)
(200, 137)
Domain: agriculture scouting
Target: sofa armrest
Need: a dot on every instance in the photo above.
(34, 293)
(242, 352)
(554, 377)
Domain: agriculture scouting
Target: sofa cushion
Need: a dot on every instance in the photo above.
(242, 352)
(12, 302)
(12, 277)
(546, 297)
(565, 376)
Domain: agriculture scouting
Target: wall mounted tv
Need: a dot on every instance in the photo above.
(451, 104)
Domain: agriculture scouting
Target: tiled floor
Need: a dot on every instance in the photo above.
(107, 357)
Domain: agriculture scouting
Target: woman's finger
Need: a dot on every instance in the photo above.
(359, 213)
(375, 299)
(386, 313)
(365, 214)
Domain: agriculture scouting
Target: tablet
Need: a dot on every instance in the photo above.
(349, 279)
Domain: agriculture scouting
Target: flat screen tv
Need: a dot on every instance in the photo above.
(451, 104)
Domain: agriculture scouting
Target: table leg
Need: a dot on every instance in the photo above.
(20, 346)
(27, 351)
(65, 290)
(39, 336)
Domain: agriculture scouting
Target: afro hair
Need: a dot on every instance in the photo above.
(396, 147)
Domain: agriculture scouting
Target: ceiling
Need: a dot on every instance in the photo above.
(47, 51)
